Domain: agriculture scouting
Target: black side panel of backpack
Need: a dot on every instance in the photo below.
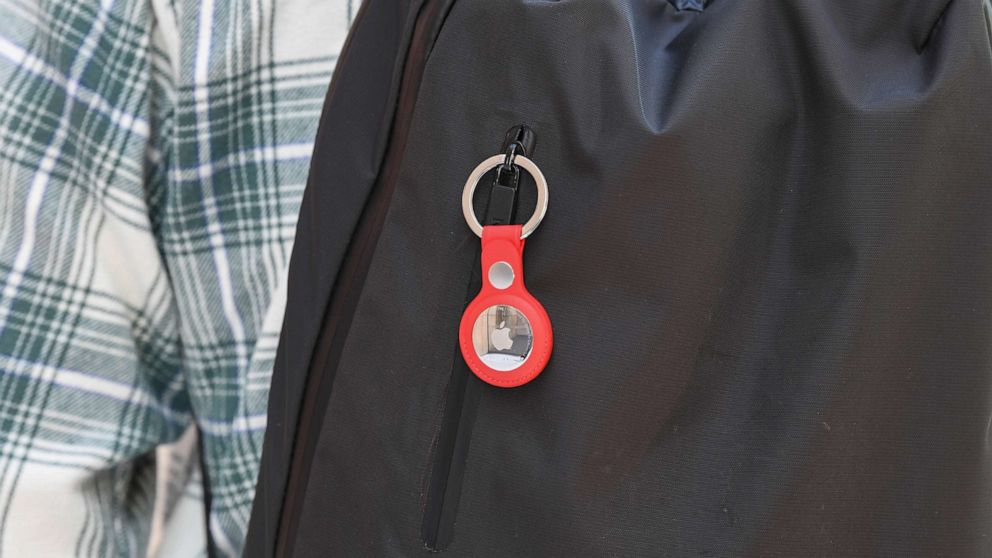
(767, 259)
(355, 130)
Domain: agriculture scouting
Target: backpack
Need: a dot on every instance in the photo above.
(766, 259)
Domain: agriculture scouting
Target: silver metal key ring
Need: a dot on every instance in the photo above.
(489, 164)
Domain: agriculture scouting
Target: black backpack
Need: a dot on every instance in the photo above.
(767, 260)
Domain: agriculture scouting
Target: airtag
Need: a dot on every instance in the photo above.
(502, 337)
(505, 334)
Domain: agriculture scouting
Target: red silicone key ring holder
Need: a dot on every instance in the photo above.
(502, 250)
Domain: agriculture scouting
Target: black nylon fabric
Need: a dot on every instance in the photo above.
(350, 144)
(767, 260)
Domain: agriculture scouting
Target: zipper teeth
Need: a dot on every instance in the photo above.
(348, 287)
(453, 435)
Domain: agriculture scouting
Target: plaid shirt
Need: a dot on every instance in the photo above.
(153, 156)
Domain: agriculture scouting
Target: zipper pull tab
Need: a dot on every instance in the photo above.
(501, 209)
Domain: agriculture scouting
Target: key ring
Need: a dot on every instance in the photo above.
(489, 164)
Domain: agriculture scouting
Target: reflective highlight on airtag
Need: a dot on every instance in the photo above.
(502, 337)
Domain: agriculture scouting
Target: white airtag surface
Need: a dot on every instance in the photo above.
(502, 336)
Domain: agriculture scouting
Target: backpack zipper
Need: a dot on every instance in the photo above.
(462, 395)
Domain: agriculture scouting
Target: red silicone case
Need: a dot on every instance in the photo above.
(503, 243)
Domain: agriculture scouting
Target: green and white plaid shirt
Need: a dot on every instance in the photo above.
(153, 155)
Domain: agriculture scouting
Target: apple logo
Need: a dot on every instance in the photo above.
(500, 337)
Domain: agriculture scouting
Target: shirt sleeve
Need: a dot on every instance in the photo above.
(152, 160)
